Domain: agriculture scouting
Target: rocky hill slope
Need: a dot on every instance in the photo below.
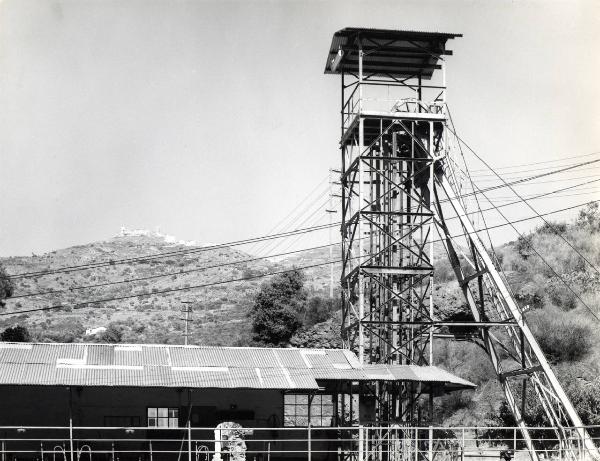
(219, 316)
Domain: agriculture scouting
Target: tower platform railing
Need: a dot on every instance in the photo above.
(368, 97)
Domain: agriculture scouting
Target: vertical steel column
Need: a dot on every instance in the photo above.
(189, 434)
(189, 425)
(71, 422)
(360, 275)
(344, 289)
(430, 186)
(311, 396)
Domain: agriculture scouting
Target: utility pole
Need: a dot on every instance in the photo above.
(187, 310)
(331, 211)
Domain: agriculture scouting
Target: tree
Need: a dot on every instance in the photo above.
(18, 334)
(6, 286)
(277, 309)
(319, 309)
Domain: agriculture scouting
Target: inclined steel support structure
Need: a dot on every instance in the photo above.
(399, 183)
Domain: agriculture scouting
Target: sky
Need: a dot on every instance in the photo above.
(213, 119)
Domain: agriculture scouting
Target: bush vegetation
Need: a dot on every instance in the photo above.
(563, 337)
(16, 334)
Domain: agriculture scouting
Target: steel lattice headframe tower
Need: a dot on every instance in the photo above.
(401, 185)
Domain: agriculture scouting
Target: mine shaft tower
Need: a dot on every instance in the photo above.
(400, 183)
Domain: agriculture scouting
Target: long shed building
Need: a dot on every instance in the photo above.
(138, 399)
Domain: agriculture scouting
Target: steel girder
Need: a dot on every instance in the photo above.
(527, 368)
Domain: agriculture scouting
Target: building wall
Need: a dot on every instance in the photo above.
(34, 405)
(49, 406)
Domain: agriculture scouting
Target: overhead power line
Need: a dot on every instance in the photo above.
(293, 216)
(142, 259)
(544, 182)
(512, 224)
(519, 171)
(116, 262)
(170, 274)
(79, 305)
(306, 221)
(526, 179)
(539, 163)
(550, 226)
(538, 215)
(242, 261)
(83, 304)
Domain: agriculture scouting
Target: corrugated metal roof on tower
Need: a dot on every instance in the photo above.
(400, 53)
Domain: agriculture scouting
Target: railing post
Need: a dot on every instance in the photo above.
(462, 445)
(309, 443)
(71, 437)
(3, 451)
(515, 440)
(360, 443)
(416, 444)
(430, 450)
(217, 454)
(71, 421)
(189, 430)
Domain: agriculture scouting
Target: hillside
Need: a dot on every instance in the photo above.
(219, 316)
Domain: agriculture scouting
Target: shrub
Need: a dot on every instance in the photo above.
(113, 333)
(17, 334)
(552, 228)
(563, 298)
(562, 336)
(65, 330)
(523, 246)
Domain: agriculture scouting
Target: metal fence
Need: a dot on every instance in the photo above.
(358, 443)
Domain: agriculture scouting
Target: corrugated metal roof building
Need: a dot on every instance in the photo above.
(133, 384)
(143, 365)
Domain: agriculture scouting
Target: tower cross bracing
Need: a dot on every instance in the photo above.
(401, 187)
